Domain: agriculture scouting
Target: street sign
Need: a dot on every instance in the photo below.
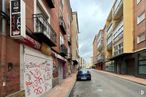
(17, 19)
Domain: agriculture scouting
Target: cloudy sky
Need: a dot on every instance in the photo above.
(92, 15)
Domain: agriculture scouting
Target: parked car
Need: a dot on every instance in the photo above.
(83, 74)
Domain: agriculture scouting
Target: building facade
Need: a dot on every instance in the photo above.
(74, 40)
(109, 66)
(125, 34)
(95, 50)
(100, 50)
(140, 38)
(35, 45)
(120, 26)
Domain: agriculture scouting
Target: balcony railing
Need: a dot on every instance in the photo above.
(118, 33)
(117, 7)
(62, 25)
(43, 30)
(100, 46)
(109, 28)
(63, 50)
(69, 40)
(118, 52)
(69, 56)
(51, 3)
(109, 46)
(100, 58)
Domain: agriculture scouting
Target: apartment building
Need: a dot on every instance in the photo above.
(74, 40)
(98, 50)
(126, 52)
(140, 38)
(95, 50)
(119, 29)
(35, 45)
(109, 66)
(82, 63)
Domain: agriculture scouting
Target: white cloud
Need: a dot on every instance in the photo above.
(92, 15)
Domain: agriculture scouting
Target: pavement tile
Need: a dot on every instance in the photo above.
(63, 89)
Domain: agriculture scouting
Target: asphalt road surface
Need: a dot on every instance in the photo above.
(104, 85)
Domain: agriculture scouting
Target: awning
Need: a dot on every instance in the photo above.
(119, 56)
(59, 56)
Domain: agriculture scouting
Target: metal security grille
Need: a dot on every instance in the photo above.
(37, 73)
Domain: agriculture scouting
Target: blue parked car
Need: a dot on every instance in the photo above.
(83, 74)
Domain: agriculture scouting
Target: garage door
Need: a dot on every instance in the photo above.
(37, 73)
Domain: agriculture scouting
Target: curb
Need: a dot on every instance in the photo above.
(68, 94)
(131, 80)
(123, 78)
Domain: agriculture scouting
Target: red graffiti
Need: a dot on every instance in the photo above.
(38, 77)
(28, 84)
(38, 90)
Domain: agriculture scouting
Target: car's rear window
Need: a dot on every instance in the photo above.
(83, 71)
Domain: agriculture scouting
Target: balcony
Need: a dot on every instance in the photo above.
(109, 46)
(118, 9)
(109, 57)
(62, 25)
(118, 33)
(63, 50)
(100, 58)
(109, 29)
(43, 30)
(51, 3)
(69, 56)
(69, 40)
(100, 46)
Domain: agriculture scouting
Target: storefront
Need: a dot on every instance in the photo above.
(100, 66)
(36, 66)
(123, 63)
(109, 66)
(37, 72)
(140, 63)
(59, 68)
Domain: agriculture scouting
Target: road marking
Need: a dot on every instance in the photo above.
(141, 92)
(100, 90)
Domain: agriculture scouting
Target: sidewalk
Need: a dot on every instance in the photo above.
(127, 77)
(64, 89)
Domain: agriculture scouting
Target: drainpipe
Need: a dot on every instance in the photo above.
(3, 53)
(3, 20)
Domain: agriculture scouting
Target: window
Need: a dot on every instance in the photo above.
(40, 27)
(117, 4)
(142, 67)
(61, 39)
(109, 29)
(138, 1)
(118, 49)
(140, 18)
(62, 4)
(109, 40)
(141, 38)
(119, 31)
(115, 50)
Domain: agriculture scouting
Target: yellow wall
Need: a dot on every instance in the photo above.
(108, 22)
(128, 25)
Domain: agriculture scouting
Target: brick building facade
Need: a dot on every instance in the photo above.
(47, 42)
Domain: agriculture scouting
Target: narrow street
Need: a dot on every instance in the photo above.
(103, 85)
